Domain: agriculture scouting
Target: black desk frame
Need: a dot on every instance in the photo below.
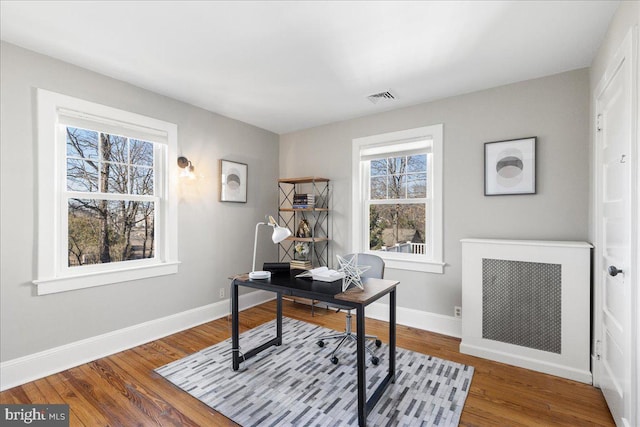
(364, 406)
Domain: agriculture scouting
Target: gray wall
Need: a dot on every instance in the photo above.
(215, 239)
(555, 109)
(212, 234)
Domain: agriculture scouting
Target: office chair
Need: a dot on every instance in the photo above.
(376, 271)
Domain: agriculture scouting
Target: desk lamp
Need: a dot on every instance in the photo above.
(279, 234)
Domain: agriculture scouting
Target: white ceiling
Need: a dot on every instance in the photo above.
(286, 66)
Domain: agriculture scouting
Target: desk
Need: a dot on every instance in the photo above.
(288, 284)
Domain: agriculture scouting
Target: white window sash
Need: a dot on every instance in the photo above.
(433, 260)
(108, 125)
(399, 148)
(53, 273)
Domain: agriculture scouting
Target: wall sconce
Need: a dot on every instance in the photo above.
(187, 168)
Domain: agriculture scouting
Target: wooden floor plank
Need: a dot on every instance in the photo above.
(157, 386)
(123, 389)
(82, 409)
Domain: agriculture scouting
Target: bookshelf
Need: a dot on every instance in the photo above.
(305, 199)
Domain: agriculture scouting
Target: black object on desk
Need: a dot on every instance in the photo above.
(277, 267)
(331, 292)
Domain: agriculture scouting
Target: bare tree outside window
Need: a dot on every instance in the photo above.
(100, 229)
(397, 206)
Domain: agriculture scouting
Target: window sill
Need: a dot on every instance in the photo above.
(420, 266)
(88, 280)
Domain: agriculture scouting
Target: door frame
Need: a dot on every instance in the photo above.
(630, 44)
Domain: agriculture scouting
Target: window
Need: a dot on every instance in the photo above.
(397, 198)
(121, 227)
(107, 209)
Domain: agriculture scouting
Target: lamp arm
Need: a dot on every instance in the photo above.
(255, 245)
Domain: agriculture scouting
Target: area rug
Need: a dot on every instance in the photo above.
(296, 385)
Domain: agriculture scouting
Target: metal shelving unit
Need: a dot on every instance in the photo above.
(317, 217)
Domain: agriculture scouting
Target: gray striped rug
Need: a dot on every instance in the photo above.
(296, 385)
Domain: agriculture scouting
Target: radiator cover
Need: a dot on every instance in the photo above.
(527, 303)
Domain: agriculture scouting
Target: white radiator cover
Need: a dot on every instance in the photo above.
(528, 303)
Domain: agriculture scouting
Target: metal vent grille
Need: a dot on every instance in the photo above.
(521, 303)
(385, 96)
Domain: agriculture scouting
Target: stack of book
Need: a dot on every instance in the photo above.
(301, 265)
(302, 201)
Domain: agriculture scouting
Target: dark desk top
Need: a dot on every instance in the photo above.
(288, 284)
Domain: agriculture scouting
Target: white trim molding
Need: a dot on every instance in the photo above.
(438, 323)
(38, 365)
(48, 362)
(55, 112)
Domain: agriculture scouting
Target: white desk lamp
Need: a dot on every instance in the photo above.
(279, 234)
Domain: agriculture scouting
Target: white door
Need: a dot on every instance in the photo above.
(616, 235)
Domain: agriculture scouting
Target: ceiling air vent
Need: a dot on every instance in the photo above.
(384, 96)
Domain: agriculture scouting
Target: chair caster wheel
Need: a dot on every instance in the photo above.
(334, 360)
(320, 343)
(375, 360)
(378, 343)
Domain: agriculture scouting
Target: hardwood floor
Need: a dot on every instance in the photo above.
(123, 390)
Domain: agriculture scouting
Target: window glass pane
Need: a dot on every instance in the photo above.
(416, 185)
(397, 227)
(397, 165)
(397, 186)
(116, 177)
(140, 152)
(141, 180)
(113, 148)
(82, 175)
(102, 231)
(417, 163)
(379, 188)
(82, 143)
(378, 167)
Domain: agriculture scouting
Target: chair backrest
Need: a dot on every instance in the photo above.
(375, 262)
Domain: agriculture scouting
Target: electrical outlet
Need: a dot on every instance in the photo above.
(221, 292)
(457, 312)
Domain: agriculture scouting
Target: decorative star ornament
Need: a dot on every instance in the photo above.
(352, 271)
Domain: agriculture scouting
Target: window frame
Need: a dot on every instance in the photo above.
(432, 261)
(54, 113)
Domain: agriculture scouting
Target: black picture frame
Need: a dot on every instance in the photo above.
(510, 167)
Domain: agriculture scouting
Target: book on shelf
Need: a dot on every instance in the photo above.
(307, 196)
(303, 200)
(300, 264)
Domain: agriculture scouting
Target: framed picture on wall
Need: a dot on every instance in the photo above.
(510, 167)
(233, 181)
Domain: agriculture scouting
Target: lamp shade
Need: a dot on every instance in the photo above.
(280, 233)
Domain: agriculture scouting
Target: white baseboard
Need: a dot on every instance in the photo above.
(528, 363)
(446, 325)
(38, 365)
